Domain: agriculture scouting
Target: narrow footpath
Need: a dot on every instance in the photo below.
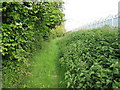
(46, 72)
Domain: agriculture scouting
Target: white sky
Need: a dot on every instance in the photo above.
(82, 12)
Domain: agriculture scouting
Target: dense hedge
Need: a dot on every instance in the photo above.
(90, 58)
(59, 31)
(25, 26)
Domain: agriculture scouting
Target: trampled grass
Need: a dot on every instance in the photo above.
(45, 69)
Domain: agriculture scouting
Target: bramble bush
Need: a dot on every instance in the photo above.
(25, 25)
(90, 58)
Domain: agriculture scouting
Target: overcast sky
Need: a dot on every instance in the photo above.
(82, 12)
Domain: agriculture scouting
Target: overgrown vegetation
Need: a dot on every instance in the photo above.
(45, 70)
(90, 58)
(59, 31)
(25, 26)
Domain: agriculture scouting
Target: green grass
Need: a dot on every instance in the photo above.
(45, 70)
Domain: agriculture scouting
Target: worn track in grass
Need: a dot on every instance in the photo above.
(45, 70)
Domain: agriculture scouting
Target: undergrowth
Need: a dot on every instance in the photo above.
(90, 58)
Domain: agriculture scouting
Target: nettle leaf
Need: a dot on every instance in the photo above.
(24, 28)
(92, 56)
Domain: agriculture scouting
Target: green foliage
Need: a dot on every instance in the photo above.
(90, 58)
(58, 31)
(0, 41)
(25, 26)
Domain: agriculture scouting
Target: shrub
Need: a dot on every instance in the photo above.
(25, 26)
(90, 58)
(58, 31)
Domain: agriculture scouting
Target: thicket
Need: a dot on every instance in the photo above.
(91, 58)
(25, 25)
(58, 31)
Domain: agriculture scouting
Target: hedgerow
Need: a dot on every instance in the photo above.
(25, 25)
(90, 58)
(58, 31)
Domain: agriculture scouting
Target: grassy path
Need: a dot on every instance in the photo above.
(45, 72)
